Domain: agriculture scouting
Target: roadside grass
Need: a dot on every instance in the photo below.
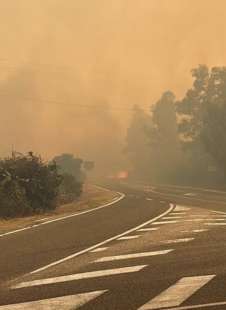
(91, 197)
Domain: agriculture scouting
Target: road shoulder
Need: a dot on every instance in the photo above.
(92, 198)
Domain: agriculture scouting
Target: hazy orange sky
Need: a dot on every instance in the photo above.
(61, 58)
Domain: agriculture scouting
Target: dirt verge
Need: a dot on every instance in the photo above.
(93, 196)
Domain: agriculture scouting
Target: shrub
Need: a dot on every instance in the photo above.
(70, 188)
(27, 184)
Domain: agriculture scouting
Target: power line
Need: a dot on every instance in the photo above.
(74, 105)
(86, 106)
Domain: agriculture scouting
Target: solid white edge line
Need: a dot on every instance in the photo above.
(103, 242)
(67, 216)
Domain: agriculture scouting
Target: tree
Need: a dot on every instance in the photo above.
(203, 115)
(73, 176)
(137, 143)
(191, 107)
(88, 165)
(70, 188)
(164, 139)
(69, 164)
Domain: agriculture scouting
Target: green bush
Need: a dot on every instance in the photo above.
(70, 188)
(27, 185)
(13, 200)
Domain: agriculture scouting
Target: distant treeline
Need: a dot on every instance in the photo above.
(28, 185)
(183, 141)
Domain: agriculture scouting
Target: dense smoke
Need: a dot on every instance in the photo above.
(71, 71)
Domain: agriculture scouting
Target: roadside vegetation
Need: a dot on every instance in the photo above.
(182, 141)
(29, 185)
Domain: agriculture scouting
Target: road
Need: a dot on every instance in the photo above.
(158, 248)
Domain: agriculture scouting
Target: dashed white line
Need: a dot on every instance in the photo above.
(190, 194)
(213, 304)
(103, 242)
(177, 293)
(99, 250)
(129, 237)
(181, 208)
(59, 303)
(80, 276)
(194, 230)
(131, 256)
(178, 240)
(219, 212)
(197, 220)
(213, 219)
(215, 224)
(148, 229)
(172, 217)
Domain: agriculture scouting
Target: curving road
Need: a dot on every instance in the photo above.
(140, 253)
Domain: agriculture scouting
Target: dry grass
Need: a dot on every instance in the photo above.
(92, 197)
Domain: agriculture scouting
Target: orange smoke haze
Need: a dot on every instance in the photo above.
(70, 71)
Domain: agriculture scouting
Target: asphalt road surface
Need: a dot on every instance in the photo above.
(157, 248)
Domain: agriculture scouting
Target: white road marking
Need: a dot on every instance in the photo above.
(60, 303)
(80, 276)
(219, 212)
(103, 242)
(190, 194)
(165, 222)
(197, 220)
(176, 294)
(194, 230)
(178, 240)
(178, 213)
(66, 217)
(213, 304)
(181, 208)
(172, 217)
(149, 199)
(43, 219)
(215, 224)
(99, 250)
(213, 219)
(205, 219)
(148, 229)
(131, 256)
(129, 237)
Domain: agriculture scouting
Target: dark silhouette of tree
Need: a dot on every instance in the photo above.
(69, 164)
(137, 142)
(164, 138)
(203, 116)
